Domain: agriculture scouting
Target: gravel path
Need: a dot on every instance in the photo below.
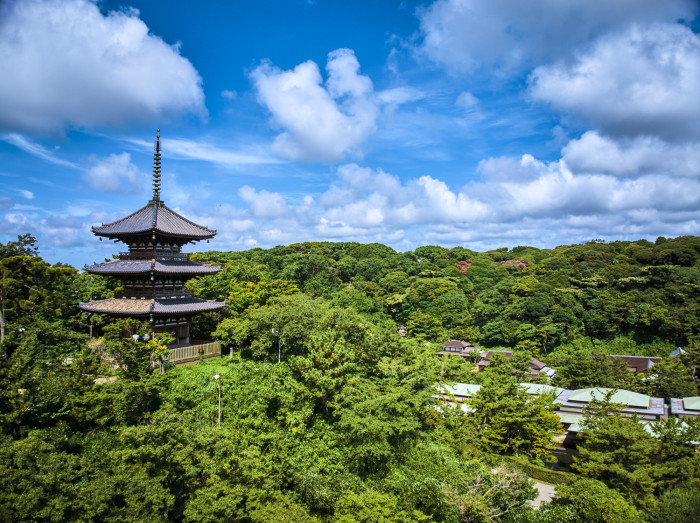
(545, 493)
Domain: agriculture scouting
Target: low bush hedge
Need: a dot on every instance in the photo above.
(555, 477)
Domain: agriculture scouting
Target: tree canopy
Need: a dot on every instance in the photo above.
(349, 426)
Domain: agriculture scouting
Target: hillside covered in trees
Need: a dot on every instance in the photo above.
(348, 427)
(526, 298)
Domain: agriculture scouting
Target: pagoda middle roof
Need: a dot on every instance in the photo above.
(143, 307)
(156, 266)
(155, 217)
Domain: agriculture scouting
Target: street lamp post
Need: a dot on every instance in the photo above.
(217, 377)
(279, 344)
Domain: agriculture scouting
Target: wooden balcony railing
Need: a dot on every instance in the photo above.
(192, 352)
(149, 293)
(150, 255)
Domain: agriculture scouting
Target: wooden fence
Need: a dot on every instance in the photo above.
(192, 352)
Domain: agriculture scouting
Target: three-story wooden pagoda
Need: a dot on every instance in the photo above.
(154, 270)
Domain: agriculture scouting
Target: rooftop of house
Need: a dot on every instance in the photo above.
(686, 406)
(467, 390)
(637, 364)
(536, 366)
(623, 397)
(631, 402)
(460, 390)
(541, 388)
(457, 348)
(457, 344)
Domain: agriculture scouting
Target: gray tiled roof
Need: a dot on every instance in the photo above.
(121, 306)
(186, 306)
(158, 218)
(121, 267)
(146, 266)
(188, 267)
(458, 344)
(161, 306)
(637, 364)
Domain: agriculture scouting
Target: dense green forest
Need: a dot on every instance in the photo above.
(347, 426)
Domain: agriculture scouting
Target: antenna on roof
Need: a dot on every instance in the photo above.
(156, 169)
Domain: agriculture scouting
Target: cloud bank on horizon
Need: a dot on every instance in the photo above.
(479, 123)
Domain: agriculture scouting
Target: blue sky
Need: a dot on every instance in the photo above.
(485, 124)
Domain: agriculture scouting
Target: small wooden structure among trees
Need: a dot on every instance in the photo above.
(154, 270)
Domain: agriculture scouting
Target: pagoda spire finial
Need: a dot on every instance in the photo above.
(156, 169)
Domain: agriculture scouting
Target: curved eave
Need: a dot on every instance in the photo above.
(151, 231)
(119, 307)
(158, 307)
(154, 218)
(185, 306)
(135, 267)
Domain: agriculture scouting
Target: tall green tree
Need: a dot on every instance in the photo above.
(508, 420)
(676, 453)
(617, 451)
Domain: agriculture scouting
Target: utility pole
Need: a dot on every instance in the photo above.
(279, 344)
(217, 377)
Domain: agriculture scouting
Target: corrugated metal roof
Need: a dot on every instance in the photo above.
(155, 217)
(541, 388)
(575, 427)
(691, 403)
(567, 417)
(624, 397)
(461, 389)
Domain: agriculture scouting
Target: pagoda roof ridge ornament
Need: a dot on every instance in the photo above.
(156, 168)
(155, 217)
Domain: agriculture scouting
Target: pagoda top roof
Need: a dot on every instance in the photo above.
(155, 218)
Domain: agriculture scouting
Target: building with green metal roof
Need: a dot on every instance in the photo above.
(633, 403)
(689, 406)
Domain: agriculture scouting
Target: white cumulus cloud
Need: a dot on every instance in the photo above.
(631, 157)
(263, 204)
(320, 121)
(644, 81)
(65, 64)
(114, 174)
(520, 200)
(466, 34)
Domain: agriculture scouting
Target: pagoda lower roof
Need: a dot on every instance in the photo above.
(154, 218)
(145, 307)
(119, 267)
